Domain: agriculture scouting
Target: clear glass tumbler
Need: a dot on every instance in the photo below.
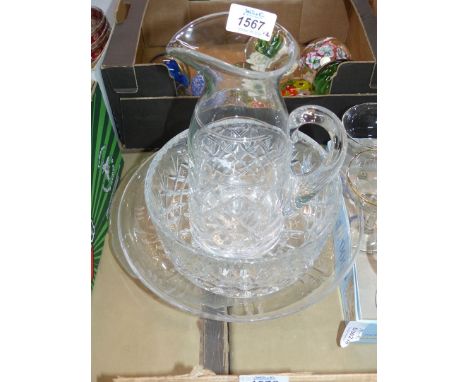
(360, 123)
(361, 176)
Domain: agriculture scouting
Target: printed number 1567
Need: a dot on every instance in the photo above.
(248, 22)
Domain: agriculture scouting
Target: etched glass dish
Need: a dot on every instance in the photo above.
(138, 246)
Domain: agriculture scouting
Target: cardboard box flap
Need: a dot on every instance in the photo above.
(369, 20)
(361, 377)
(351, 77)
(127, 33)
(289, 12)
(163, 18)
(200, 375)
(362, 41)
(305, 19)
(322, 18)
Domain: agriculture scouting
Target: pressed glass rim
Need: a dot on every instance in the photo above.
(235, 70)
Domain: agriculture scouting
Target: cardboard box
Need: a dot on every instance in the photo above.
(106, 167)
(155, 339)
(142, 95)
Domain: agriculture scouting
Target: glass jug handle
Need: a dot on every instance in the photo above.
(311, 182)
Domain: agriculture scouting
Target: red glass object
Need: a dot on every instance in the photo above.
(100, 32)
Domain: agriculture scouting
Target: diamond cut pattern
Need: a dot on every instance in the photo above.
(304, 233)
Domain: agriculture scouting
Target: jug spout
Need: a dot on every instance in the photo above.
(207, 46)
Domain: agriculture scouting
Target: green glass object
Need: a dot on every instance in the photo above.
(269, 49)
(323, 79)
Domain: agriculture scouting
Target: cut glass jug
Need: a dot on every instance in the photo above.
(248, 167)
